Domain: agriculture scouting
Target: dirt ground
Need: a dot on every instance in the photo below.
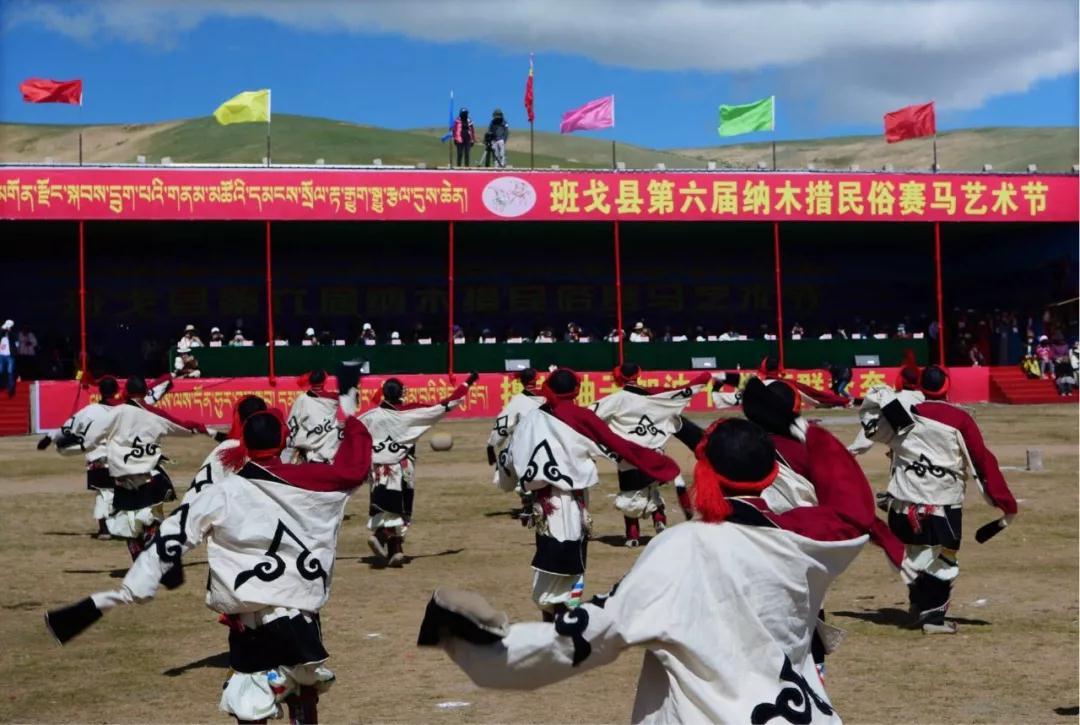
(1014, 660)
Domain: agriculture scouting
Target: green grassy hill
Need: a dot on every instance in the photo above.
(303, 139)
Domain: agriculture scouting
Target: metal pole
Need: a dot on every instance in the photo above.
(267, 143)
(618, 291)
(940, 296)
(532, 156)
(450, 306)
(774, 155)
(935, 154)
(613, 164)
(80, 148)
(270, 341)
(83, 358)
(779, 296)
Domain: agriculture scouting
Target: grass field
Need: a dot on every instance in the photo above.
(1014, 660)
(303, 139)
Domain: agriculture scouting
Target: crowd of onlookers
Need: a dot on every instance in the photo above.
(1044, 344)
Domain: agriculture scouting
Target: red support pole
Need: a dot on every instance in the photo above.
(779, 295)
(450, 307)
(270, 341)
(83, 360)
(940, 300)
(618, 291)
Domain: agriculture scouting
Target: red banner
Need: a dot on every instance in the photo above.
(312, 194)
(210, 401)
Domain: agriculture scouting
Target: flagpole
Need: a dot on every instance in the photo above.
(935, 152)
(773, 104)
(613, 164)
(80, 129)
(268, 117)
(532, 88)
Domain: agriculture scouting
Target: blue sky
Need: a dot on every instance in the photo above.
(381, 66)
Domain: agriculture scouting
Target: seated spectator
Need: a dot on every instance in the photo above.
(1064, 376)
(679, 337)
(1074, 358)
(546, 335)
(310, 338)
(459, 335)
(640, 333)
(189, 340)
(975, 355)
(395, 338)
(902, 333)
(513, 337)
(1030, 366)
(797, 331)
(730, 334)
(367, 335)
(614, 335)
(699, 334)
(216, 336)
(420, 334)
(238, 339)
(1044, 356)
(186, 366)
(1058, 347)
(573, 333)
(487, 337)
(280, 340)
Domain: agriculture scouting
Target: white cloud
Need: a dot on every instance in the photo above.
(853, 57)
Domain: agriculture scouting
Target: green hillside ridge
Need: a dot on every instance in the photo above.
(303, 139)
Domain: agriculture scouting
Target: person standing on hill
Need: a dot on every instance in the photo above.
(499, 132)
(464, 136)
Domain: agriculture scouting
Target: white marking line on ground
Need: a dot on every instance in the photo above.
(452, 705)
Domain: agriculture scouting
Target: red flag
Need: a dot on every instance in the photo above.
(529, 93)
(40, 90)
(910, 122)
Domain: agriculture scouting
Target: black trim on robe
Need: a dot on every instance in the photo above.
(286, 641)
(98, 478)
(634, 480)
(158, 489)
(560, 557)
(935, 530)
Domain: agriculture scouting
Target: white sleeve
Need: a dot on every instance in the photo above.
(500, 431)
(70, 428)
(726, 399)
(861, 444)
(535, 654)
(606, 408)
(182, 531)
(644, 607)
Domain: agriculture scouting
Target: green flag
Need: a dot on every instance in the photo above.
(749, 117)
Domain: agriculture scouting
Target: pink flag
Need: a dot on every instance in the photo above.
(593, 115)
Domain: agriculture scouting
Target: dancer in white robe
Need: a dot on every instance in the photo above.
(648, 417)
(71, 439)
(724, 607)
(271, 531)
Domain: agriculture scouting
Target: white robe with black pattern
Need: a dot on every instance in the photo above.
(86, 424)
(393, 466)
(549, 457)
(505, 423)
(726, 632)
(649, 421)
(313, 428)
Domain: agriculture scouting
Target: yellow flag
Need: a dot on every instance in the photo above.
(246, 107)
